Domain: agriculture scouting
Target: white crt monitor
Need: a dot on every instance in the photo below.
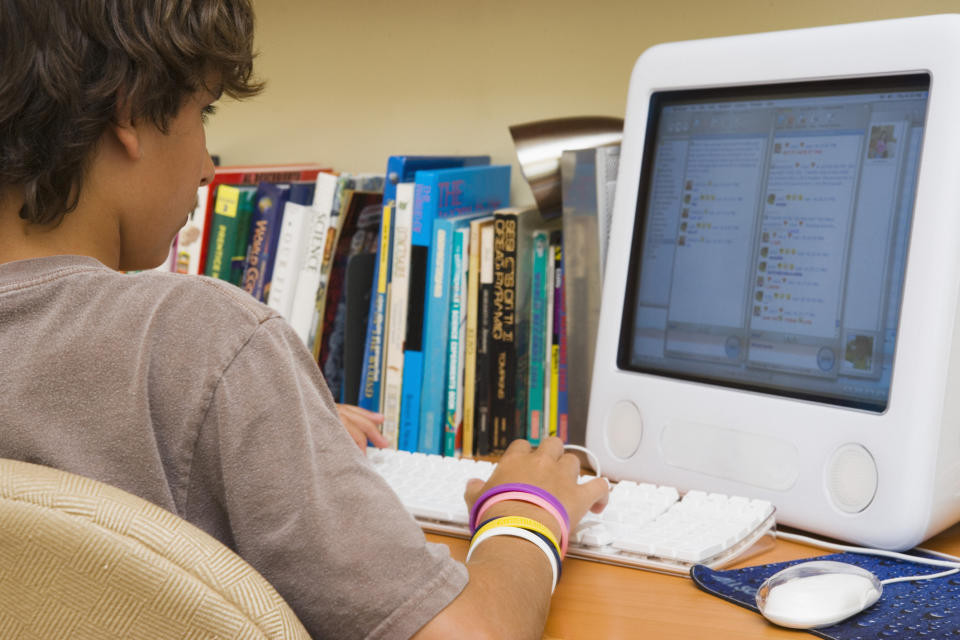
(779, 315)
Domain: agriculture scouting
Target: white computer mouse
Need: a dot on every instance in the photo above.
(817, 594)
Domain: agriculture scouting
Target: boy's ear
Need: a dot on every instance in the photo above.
(126, 133)
(129, 139)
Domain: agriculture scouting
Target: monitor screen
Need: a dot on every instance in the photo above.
(772, 240)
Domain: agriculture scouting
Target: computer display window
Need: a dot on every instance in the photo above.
(773, 235)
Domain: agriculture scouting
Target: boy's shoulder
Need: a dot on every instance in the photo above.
(205, 295)
(83, 282)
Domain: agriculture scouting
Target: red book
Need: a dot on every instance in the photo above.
(253, 174)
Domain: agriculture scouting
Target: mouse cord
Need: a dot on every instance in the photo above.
(929, 576)
(954, 565)
(591, 456)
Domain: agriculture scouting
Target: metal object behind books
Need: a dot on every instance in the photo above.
(541, 143)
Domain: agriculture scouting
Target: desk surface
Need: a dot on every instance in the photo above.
(598, 601)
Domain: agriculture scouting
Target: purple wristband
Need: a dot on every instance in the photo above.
(516, 486)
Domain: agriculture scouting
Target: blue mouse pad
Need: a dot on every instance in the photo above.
(927, 609)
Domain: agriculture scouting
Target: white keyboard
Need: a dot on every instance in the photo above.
(644, 525)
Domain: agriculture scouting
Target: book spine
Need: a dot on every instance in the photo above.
(409, 437)
(329, 292)
(251, 274)
(300, 193)
(470, 340)
(549, 384)
(242, 239)
(436, 332)
(345, 184)
(191, 258)
(538, 341)
(453, 432)
(397, 314)
(341, 349)
(308, 280)
(264, 226)
(560, 321)
(297, 219)
(503, 330)
(483, 420)
(224, 232)
(412, 350)
(554, 382)
(369, 397)
(412, 431)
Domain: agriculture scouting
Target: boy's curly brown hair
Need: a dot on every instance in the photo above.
(66, 65)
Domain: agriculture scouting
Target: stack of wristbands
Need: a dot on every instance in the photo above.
(520, 527)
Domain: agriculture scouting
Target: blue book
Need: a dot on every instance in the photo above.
(404, 169)
(440, 288)
(456, 343)
(439, 194)
(264, 234)
(299, 193)
(539, 290)
(399, 169)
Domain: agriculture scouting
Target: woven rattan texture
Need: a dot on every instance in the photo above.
(83, 560)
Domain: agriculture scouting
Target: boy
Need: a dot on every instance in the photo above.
(186, 391)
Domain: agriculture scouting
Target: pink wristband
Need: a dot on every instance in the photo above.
(534, 499)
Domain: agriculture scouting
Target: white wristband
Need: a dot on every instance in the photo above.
(519, 533)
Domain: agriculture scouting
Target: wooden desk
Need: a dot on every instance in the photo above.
(594, 601)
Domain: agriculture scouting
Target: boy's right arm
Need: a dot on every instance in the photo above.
(508, 595)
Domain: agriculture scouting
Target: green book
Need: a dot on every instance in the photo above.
(228, 234)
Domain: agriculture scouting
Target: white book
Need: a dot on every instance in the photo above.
(304, 300)
(397, 311)
(190, 237)
(325, 191)
(291, 247)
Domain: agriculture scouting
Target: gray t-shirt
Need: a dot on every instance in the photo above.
(187, 392)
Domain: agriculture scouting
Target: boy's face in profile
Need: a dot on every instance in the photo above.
(163, 191)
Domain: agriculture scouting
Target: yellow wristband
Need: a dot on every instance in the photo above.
(523, 523)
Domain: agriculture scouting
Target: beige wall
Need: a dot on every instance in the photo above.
(353, 81)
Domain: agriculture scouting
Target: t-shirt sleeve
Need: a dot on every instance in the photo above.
(306, 509)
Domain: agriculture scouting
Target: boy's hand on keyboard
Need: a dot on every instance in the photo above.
(549, 468)
(362, 425)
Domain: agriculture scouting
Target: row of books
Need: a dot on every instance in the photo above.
(421, 293)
